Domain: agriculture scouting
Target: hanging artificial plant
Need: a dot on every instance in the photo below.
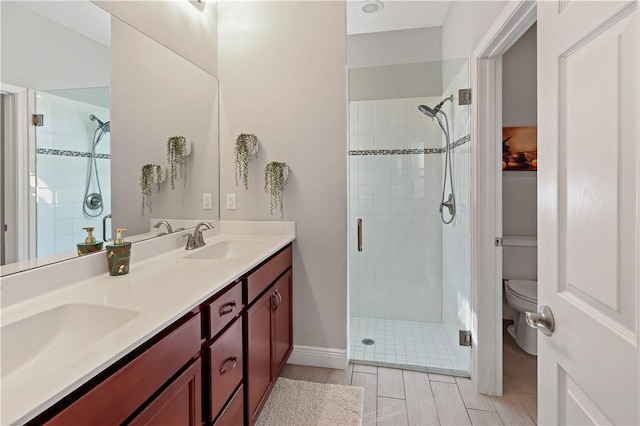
(150, 173)
(275, 179)
(177, 158)
(246, 148)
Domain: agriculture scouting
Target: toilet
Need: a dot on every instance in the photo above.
(522, 295)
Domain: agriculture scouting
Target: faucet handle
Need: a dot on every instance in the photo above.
(191, 242)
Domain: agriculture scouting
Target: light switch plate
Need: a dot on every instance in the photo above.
(207, 202)
(231, 201)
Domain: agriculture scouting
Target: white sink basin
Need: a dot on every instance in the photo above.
(230, 250)
(58, 333)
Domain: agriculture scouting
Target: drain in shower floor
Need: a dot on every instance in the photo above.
(368, 342)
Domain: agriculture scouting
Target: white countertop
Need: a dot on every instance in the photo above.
(161, 289)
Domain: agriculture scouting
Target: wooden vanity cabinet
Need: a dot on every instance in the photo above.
(269, 337)
(164, 377)
(215, 366)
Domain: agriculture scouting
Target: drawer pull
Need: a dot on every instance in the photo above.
(276, 299)
(279, 296)
(227, 308)
(233, 361)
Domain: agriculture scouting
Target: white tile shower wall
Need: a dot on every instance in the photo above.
(398, 273)
(61, 179)
(456, 260)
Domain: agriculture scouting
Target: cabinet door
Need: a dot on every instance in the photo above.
(178, 404)
(282, 339)
(258, 354)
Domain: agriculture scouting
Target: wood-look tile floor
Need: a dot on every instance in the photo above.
(401, 397)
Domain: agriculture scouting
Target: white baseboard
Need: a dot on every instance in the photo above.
(319, 357)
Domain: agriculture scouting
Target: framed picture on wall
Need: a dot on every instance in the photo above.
(520, 148)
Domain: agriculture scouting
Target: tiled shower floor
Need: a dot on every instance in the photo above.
(409, 344)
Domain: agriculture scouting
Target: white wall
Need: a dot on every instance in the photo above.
(157, 94)
(41, 54)
(465, 24)
(519, 82)
(519, 188)
(394, 47)
(283, 77)
(395, 81)
(177, 25)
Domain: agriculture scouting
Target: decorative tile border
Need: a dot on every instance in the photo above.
(455, 144)
(395, 151)
(460, 141)
(68, 153)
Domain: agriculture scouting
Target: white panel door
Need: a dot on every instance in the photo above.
(589, 212)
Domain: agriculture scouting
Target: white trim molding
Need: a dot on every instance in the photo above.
(20, 185)
(315, 356)
(486, 224)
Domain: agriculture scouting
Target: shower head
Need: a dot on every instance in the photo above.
(94, 118)
(104, 126)
(427, 111)
(431, 112)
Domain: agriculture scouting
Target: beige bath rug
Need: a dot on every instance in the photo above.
(297, 403)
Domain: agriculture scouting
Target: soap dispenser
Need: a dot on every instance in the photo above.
(90, 244)
(118, 254)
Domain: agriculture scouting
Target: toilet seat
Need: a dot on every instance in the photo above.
(523, 289)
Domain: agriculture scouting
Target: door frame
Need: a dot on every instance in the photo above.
(20, 171)
(486, 199)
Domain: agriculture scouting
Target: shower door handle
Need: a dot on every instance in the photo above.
(359, 234)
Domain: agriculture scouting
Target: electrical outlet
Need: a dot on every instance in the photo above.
(231, 201)
(207, 202)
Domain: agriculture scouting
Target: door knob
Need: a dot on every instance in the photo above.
(543, 320)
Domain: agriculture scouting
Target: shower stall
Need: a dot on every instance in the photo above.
(73, 166)
(409, 260)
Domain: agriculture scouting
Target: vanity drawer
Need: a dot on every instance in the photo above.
(225, 367)
(223, 310)
(233, 414)
(262, 278)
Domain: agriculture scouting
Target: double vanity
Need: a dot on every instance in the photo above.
(187, 337)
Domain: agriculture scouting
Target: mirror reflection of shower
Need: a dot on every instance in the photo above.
(93, 205)
(450, 202)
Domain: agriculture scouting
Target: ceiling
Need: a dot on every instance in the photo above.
(83, 17)
(396, 15)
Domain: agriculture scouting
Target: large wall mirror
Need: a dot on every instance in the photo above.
(107, 99)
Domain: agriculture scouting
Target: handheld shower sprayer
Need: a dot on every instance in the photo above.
(94, 118)
(102, 125)
(432, 112)
(450, 202)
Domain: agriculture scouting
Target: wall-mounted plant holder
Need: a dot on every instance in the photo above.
(150, 175)
(246, 149)
(276, 175)
(178, 149)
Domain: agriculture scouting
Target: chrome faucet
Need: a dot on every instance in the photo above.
(197, 240)
(165, 223)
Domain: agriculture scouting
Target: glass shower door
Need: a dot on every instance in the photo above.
(401, 310)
